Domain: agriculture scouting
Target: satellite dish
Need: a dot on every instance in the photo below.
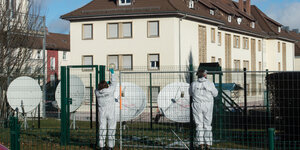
(133, 101)
(174, 102)
(24, 91)
(76, 93)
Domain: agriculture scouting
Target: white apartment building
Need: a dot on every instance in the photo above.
(158, 33)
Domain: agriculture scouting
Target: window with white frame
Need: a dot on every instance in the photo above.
(124, 2)
(220, 61)
(213, 59)
(87, 31)
(259, 66)
(38, 54)
(127, 30)
(278, 47)
(213, 35)
(127, 62)
(52, 63)
(236, 41)
(87, 60)
(121, 62)
(246, 64)
(259, 45)
(245, 43)
(219, 38)
(64, 55)
(229, 18)
(237, 65)
(239, 20)
(153, 61)
(211, 12)
(153, 28)
(113, 59)
(252, 24)
(113, 31)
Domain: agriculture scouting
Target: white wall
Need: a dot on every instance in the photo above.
(297, 63)
(167, 45)
(273, 56)
(139, 45)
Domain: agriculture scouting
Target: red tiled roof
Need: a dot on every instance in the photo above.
(108, 9)
(297, 44)
(54, 41)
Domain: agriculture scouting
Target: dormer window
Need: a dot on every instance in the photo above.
(239, 20)
(191, 4)
(253, 25)
(124, 2)
(229, 18)
(279, 29)
(211, 12)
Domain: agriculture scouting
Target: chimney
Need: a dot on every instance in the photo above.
(241, 5)
(296, 30)
(248, 7)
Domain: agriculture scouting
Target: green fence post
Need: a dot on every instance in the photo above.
(91, 101)
(63, 115)
(271, 133)
(101, 76)
(220, 105)
(191, 74)
(14, 133)
(268, 103)
(245, 106)
(68, 102)
(151, 100)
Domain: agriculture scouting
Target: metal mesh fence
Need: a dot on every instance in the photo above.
(156, 111)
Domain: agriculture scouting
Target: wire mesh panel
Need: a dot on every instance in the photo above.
(165, 121)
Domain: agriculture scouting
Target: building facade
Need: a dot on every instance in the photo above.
(140, 33)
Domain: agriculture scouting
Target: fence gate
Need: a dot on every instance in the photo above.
(78, 105)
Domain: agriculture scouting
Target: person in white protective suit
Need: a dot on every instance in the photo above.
(203, 92)
(106, 105)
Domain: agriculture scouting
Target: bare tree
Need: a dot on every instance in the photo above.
(21, 28)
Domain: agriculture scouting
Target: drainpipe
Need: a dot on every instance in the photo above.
(262, 55)
(179, 43)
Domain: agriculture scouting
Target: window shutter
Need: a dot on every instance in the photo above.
(127, 30)
(113, 30)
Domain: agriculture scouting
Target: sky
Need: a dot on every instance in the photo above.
(286, 12)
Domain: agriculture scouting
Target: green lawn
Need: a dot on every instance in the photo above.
(136, 134)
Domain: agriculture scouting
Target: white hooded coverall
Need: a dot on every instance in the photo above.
(203, 92)
(106, 105)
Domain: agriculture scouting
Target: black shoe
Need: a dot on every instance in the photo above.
(110, 148)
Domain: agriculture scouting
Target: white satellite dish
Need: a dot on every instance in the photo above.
(24, 91)
(174, 102)
(133, 101)
(76, 93)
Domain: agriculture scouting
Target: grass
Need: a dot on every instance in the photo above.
(136, 133)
